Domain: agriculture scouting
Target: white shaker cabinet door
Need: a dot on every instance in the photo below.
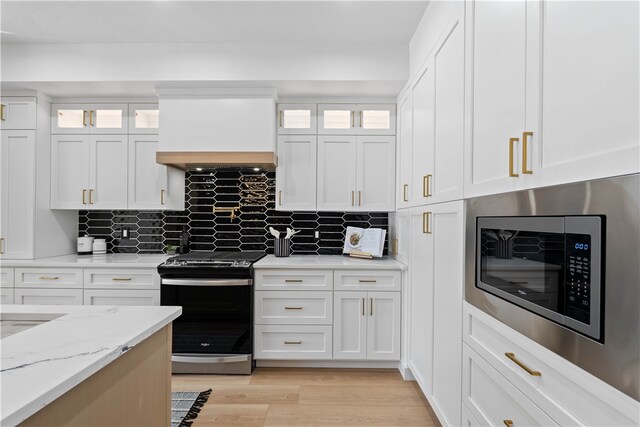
(350, 325)
(69, 172)
(18, 113)
(422, 160)
(296, 173)
(17, 166)
(495, 84)
(383, 326)
(48, 296)
(590, 101)
(376, 173)
(404, 150)
(121, 297)
(336, 173)
(147, 179)
(108, 166)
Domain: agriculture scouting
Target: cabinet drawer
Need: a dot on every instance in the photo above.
(297, 307)
(367, 280)
(48, 296)
(564, 391)
(6, 296)
(6, 277)
(293, 342)
(48, 278)
(289, 279)
(121, 297)
(492, 399)
(121, 279)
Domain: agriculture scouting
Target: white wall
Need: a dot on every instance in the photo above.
(204, 62)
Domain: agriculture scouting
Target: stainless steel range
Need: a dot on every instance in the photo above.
(214, 334)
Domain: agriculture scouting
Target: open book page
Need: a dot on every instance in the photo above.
(369, 240)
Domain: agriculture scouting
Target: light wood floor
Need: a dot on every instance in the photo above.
(310, 397)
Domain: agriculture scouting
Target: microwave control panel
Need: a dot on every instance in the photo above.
(578, 276)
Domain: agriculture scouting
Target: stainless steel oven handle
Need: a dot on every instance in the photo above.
(210, 359)
(207, 282)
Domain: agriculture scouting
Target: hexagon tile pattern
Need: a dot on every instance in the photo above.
(151, 231)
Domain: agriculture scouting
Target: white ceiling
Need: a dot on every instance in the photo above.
(209, 21)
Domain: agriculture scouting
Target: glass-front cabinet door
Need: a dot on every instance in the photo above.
(297, 119)
(337, 119)
(89, 119)
(144, 119)
(376, 119)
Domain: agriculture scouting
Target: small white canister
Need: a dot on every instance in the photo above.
(99, 246)
(85, 245)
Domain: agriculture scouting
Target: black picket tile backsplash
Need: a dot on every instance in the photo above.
(152, 231)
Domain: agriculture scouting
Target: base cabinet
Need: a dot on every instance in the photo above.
(45, 296)
(6, 296)
(121, 297)
(293, 342)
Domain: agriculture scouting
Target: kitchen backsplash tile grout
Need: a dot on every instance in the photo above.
(151, 231)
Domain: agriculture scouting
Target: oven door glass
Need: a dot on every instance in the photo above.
(522, 260)
(216, 318)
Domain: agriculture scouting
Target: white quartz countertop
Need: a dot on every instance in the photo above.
(337, 262)
(42, 363)
(91, 261)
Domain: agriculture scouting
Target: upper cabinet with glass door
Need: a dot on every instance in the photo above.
(297, 119)
(357, 119)
(144, 119)
(89, 119)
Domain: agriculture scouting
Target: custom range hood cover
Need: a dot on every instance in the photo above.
(217, 127)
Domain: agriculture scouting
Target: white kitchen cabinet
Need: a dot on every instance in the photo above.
(297, 119)
(366, 325)
(337, 174)
(89, 119)
(356, 119)
(17, 214)
(296, 173)
(18, 113)
(404, 150)
(367, 280)
(356, 173)
(48, 278)
(293, 280)
(6, 277)
(148, 180)
(293, 342)
(375, 173)
(125, 279)
(121, 297)
(294, 307)
(7, 296)
(468, 419)
(144, 119)
(400, 235)
(435, 298)
(89, 172)
(43, 296)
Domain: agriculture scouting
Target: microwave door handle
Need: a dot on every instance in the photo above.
(207, 282)
(210, 358)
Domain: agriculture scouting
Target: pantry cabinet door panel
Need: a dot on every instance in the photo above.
(147, 179)
(495, 81)
(376, 173)
(423, 133)
(69, 172)
(296, 173)
(336, 173)
(590, 93)
(404, 150)
(108, 177)
(18, 113)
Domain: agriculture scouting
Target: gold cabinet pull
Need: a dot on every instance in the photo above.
(84, 194)
(2, 112)
(508, 423)
(512, 141)
(162, 196)
(353, 120)
(525, 140)
(359, 198)
(367, 281)
(48, 278)
(293, 308)
(370, 306)
(90, 196)
(529, 371)
(90, 117)
(426, 222)
(280, 197)
(361, 118)
(121, 279)
(394, 245)
(363, 306)
(352, 198)
(1, 245)
(293, 280)
(280, 118)
(426, 185)
(405, 192)
(293, 342)
(84, 118)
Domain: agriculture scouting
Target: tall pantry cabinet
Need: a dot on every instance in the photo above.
(28, 228)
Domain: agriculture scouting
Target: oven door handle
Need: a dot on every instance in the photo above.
(207, 282)
(210, 359)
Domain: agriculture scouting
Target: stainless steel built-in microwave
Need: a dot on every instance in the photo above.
(550, 265)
